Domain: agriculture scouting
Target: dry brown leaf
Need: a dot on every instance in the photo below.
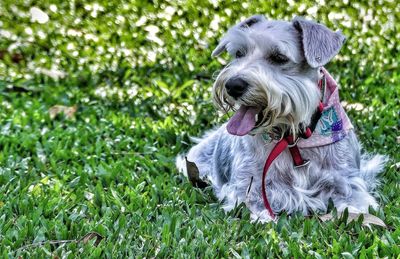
(368, 218)
(68, 111)
(91, 235)
(194, 175)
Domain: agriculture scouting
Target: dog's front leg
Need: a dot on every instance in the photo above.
(205, 156)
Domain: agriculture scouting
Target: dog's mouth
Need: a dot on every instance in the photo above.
(245, 120)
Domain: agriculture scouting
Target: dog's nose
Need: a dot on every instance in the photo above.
(236, 87)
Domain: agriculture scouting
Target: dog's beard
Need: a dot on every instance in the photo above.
(275, 106)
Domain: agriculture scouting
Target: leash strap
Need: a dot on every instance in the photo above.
(276, 151)
(291, 142)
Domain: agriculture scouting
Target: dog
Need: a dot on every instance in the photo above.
(289, 146)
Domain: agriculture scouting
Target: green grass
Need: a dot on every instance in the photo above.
(140, 96)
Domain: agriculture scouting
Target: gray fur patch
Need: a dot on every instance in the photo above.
(250, 21)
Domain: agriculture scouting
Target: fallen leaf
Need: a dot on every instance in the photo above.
(91, 235)
(193, 175)
(371, 219)
(368, 218)
(69, 112)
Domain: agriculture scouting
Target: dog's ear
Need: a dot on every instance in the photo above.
(220, 48)
(243, 25)
(320, 44)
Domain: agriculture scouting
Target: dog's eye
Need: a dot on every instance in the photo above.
(279, 59)
(239, 54)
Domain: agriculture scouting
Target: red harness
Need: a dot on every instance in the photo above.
(291, 142)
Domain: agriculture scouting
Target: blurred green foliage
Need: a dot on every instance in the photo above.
(141, 73)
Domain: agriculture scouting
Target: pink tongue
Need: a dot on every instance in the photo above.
(243, 121)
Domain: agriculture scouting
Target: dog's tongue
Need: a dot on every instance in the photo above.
(243, 121)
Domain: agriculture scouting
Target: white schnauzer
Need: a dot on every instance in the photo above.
(289, 145)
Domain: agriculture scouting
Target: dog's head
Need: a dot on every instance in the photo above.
(271, 82)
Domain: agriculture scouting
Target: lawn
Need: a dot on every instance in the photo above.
(138, 75)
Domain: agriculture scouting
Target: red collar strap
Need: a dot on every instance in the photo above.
(290, 142)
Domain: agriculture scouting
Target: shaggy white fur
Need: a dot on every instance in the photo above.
(281, 69)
